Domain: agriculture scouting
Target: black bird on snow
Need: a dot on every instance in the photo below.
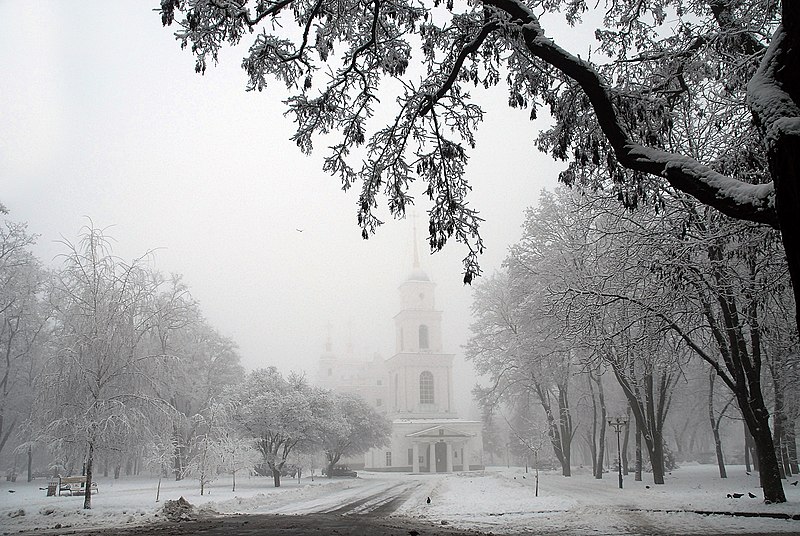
(748, 474)
(428, 501)
(12, 491)
(751, 495)
(794, 483)
(737, 495)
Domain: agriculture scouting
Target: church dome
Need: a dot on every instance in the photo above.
(418, 274)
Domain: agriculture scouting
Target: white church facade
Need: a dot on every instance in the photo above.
(414, 389)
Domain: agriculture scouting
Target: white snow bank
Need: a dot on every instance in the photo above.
(500, 500)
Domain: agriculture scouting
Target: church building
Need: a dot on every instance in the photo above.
(413, 388)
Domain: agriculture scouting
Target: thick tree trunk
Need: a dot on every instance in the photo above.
(276, 477)
(757, 419)
(601, 443)
(554, 428)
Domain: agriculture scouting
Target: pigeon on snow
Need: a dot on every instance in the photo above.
(428, 501)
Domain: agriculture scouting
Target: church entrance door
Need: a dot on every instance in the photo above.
(441, 457)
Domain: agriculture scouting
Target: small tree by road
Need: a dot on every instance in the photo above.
(354, 429)
(281, 415)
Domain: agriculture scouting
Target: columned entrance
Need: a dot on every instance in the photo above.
(441, 457)
(440, 448)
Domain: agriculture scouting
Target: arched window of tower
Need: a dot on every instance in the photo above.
(426, 387)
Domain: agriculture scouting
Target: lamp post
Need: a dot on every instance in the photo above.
(617, 423)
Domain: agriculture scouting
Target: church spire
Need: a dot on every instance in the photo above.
(416, 252)
(328, 343)
(417, 273)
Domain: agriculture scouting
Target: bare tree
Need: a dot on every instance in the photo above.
(23, 316)
(94, 391)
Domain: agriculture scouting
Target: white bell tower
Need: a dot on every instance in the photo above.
(420, 375)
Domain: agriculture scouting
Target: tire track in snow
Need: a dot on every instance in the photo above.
(378, 499)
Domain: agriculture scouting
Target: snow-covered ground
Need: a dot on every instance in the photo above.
(498, 500)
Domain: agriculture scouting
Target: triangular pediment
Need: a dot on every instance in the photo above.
(439, 431)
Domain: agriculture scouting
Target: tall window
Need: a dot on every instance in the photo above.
(426, 388)
(388, 458)
(423, 337)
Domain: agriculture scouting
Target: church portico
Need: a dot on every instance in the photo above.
(443, 447)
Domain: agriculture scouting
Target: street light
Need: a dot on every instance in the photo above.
(617, 423)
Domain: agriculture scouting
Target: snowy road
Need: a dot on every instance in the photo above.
(374, 497)
(500, 501)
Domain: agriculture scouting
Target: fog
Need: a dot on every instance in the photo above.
(103, 117)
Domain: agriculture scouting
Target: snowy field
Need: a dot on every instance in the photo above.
(497, 500)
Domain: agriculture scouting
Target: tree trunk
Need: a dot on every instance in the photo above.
(715, 425)
(602, 439)
(276, 477)
(784, 458)
(593, 439)
(625, 441)
(791, 447)
(757, 420)
(747, 466)
(778, 419)
(638, 469)
(30, 464)
(565, 420)
(553, 426)
(87, 495)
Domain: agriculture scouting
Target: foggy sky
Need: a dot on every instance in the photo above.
(103, 116)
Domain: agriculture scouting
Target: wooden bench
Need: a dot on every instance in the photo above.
(72, 485)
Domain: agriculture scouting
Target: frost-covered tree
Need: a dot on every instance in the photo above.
(95, 392)
(200, 365)
(23, 315)
(353, 427)
(281, 416)
(520, 351)
(638, 289)
(626, 114)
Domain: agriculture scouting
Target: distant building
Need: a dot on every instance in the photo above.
(414, 388)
